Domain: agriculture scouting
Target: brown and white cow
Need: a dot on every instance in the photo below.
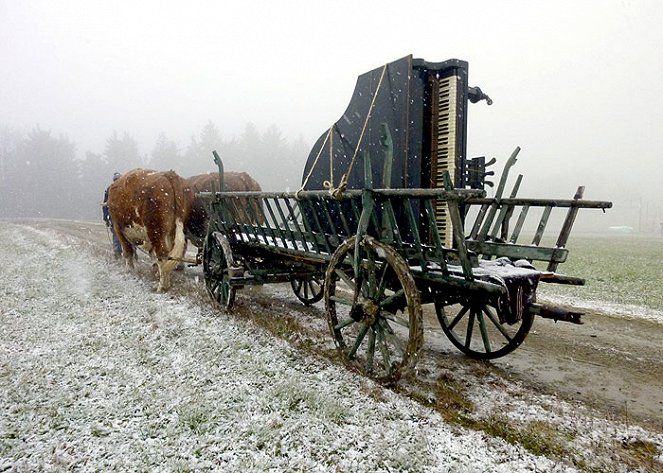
(232, 182)
(151, 208)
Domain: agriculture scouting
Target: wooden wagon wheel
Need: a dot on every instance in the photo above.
(215, 272)
(309, 290)
(374, 313)
(473, 326)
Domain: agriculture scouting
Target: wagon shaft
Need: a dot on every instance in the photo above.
(557, 313)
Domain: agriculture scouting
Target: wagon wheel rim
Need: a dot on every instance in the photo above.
(308, 290)
(215, 273)
(473, 325)
(374, 315)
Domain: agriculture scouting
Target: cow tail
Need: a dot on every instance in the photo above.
(179, 245)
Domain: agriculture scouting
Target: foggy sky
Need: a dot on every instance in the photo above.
(574, 84)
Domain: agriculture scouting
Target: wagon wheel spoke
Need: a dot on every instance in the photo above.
(343, 324)
(391, 337)
(215, 272)
(214, 285)
(469, 330)
(497, 325)
(484, 332)
(360, 338)
(390, 300)
(345, 278)
(308, 290)
(476, 327)
(363, 300)
(343, 300)
(314, 287)
(384, 350)
(382, 287)
(371, 276)
(460, 315)
(370, 350)
(394, 317)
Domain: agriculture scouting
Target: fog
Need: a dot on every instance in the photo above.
(574, 84)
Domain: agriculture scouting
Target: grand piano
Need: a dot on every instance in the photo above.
(424, 107)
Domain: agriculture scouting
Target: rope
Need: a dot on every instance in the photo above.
(368, 117)
(315, 162)
(335, 192)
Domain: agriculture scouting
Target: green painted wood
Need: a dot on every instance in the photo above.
(292, 218)
(516, 252)
(542, 226)
(414, 227)
(519, 224)
(275, 227)
(474, 233)
(566, 226)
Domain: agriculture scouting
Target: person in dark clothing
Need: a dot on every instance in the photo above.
(117, 248)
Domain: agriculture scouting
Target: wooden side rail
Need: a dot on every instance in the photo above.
(489, 235)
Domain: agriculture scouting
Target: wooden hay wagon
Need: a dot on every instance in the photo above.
(377, 253)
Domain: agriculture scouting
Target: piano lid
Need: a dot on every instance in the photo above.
(406, 95)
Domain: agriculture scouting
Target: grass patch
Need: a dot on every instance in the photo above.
(639, 454)
(620, 269)
(450, 400)
(538, 437)
(447, 396)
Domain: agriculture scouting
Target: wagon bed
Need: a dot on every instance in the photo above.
(377, 255)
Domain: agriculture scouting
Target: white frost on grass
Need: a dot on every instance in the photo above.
(585, 432)
(97, 372)
(611, 308)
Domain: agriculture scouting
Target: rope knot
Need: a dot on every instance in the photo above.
(336, 192)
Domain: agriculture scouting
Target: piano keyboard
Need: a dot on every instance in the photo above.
(444, 152)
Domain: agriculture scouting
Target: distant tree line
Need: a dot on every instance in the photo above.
(40, 175)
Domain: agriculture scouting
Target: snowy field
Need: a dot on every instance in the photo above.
(100, 373)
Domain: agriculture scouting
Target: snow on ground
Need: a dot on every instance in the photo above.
(98, 372)
(620, 310)
(587, 433)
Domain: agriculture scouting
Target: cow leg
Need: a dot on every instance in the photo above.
(168, 260)
(166, 267)
(165, 270)
(128, 250)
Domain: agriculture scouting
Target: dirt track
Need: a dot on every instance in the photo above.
(610, 363)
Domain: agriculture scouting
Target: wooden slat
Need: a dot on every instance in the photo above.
(566, 226)
(515, 252)
(542, 226)
(477, 222)
(519, 224)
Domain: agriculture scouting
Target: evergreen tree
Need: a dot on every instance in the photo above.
(96, 174)
(297, 156)
(273, 155)
(49, 175)
(198, 156)
(122, 153)
(165, 156)
(9, 175)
